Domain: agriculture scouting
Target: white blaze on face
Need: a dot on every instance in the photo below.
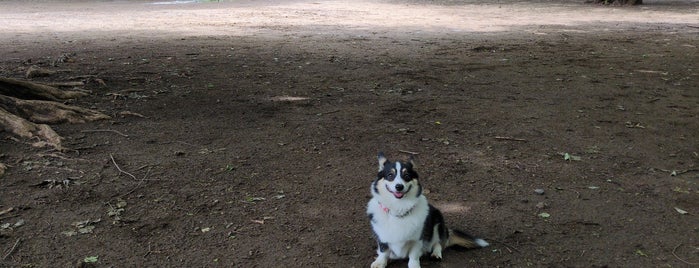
(397, 179)
(398, 172)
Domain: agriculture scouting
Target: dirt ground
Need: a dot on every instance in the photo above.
(245, 134)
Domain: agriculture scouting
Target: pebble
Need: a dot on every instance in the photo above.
(539, 191)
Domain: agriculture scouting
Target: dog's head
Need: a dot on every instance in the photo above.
(397, 178)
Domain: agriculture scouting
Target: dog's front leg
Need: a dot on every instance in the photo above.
(381, 260)
(414, 255)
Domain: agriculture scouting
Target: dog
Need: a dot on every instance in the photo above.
(404, 223)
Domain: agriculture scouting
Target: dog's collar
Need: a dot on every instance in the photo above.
(388, 211)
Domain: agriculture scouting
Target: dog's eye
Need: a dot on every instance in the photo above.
(390, 176)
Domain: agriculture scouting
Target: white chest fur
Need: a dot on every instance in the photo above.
(400, 230)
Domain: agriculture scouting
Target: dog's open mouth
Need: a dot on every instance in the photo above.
(397, 195)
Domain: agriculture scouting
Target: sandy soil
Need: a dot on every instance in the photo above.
(244, 134)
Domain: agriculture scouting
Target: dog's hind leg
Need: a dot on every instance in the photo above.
(382, 259)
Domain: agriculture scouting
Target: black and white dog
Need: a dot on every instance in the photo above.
(405, 224)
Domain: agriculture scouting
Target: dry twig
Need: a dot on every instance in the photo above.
(408, 152)
(120, 170)
(14, 247)
(105, 130)
(678, 257)
(7, 210)
(137, 185)
(509, 138)
(506, 245)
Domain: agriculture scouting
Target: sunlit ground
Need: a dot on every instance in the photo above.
(21, 18)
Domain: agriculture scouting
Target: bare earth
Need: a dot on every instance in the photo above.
(244, 134)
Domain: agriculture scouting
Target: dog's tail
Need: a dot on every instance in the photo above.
(464, 240)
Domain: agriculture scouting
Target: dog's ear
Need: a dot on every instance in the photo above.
(411, 160)
(382, 160)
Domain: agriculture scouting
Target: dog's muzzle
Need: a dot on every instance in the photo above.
(399, 192)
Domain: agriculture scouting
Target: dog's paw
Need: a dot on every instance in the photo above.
(413, 263)
(437, 252)
(378, 264)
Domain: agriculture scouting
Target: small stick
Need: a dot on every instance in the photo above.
(124, 113)
(12, 249)
(137, 186)
(330, 112)
(677, 172)
(7, 210)
(7, 217)
(120, 170)
(509, 139)
(678, 257)
(408, 152)
(104, 130)
(506, 245)
(66, 84)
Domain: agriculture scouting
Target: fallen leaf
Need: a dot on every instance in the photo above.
(81, 224)
(91, 259)
(570, 157)
(69, 233)
(254, 199)
(640, 253)
(206, 229)
(86, 230)
(681, 211)
(676, 189)
(121, 203)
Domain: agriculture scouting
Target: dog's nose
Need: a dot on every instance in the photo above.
(399, 187)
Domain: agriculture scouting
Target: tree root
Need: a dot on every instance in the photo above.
(26, 108)
(3, 167)
(28, 90)
(48, 112)
(23, 128)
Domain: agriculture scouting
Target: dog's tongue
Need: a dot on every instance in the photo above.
(398, 194)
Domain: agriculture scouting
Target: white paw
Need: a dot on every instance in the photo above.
(378, 264)
(437, 252)
(412, 263)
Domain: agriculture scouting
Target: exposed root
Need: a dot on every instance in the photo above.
(23, 128)
(26, 108)
(49, 112)
(3, 167)
(28, 90)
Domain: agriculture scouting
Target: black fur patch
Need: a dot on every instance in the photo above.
(389, 171)
(434, 217)
(383, 247)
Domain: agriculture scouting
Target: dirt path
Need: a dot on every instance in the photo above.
(249, 131)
